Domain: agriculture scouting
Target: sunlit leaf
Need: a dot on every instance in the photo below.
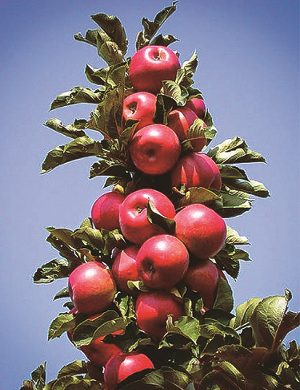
(77, 95)
(69, 131)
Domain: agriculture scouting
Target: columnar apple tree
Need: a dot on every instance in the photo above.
(147, 301)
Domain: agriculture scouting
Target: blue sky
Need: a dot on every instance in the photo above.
(249, 74)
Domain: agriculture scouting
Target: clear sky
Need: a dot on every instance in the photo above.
(249, 74)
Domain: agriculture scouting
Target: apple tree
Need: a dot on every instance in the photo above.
(147, 273)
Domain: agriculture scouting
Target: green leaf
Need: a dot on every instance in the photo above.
(224, 299)
(53, 270)
(244, 313)
(38, 377)
(62, 323)
(185, 74)
(74, 368)
(78, 148)
(150, 28)
(197, 130)
(197, 195)
(77, 95)
(164, 105)
(163, 40)
(105, 168)
(232, 203)
(186, 326)
(177, 92)
(69, 131)
(63, 293)
(233, 238)
(90, 236)
(234, 151)
(113, 28)
(249, 186)
(90, 330)
(156, 218)
(231, 375)
(232, 172)
(267, 318)
(228, 259)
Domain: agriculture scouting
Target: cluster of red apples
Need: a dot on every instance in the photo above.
(157, 258)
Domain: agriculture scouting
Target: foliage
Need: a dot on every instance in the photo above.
(214, 349)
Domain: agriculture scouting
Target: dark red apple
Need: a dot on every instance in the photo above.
(180, 120)
(140, 106)
(162, 261)
(196, 170)
(91, 287)
(134, 222)
(152, 310)
(151, 65)
(124, 267)
(198, 106)
(201, 229)
(105, 211)
(121, 366)
(99, 352)
(155, 149)
(203, 278)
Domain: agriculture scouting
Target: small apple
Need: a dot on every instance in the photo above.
(152, 310)
(105, 211)
(196, 170)
(124, 267)
(151, 65)
(198, 106)
(121, 366)
(180, 120)
(140, 106)
(201, 229)
(91, 287)
(134, 222)
(162, 261)
(203, 278)
(155, 149)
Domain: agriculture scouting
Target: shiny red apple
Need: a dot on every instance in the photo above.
(162, 261)
(151, 65)
(134, 222)
(121, 366)
(203, 277)
(180, 120)
(201, 229)
(91, 287)
(196, 170)
(155, 149)
(124, 267)
(152, 310)
(198, 106)
(105, 211)
(140, 106)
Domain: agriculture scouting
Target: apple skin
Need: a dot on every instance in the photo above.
(124, 268)
(140, 106)
(155, 149)
(91, 287)
(105, 211)
(152, 310)
(203, 277)
(121, 366)
(179, 120)
(133, 218)
(162, 261)
(196, 170)
(201, 229)
(151, 65)
(99, 352)
(198, 106)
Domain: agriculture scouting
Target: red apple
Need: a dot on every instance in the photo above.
(155, 149)
(196, 170)
(124, 267)
(99, 352)
(162, 261)
(197, 105)
(151, 65)
(152, 310)
(180, 120)
(105, 211)
(133, 218)
(201, 229)
(203, 278)
(120, 367)
(140, 106)
(91, 287)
